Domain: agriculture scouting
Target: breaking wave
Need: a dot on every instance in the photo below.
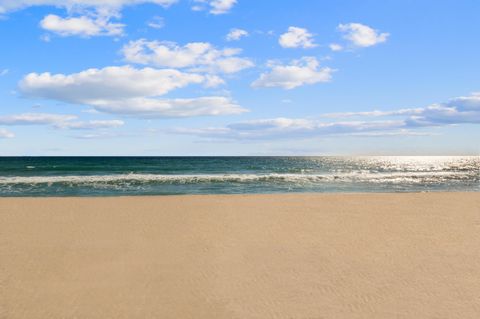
(394, 177)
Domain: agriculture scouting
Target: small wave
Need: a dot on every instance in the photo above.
(360, 176)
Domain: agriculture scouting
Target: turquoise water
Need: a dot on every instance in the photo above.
(110, 176)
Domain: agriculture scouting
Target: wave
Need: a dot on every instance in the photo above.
(395, 177)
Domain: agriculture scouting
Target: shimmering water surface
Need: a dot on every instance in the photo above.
(99, 176)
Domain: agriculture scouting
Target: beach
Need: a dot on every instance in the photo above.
(409, 255)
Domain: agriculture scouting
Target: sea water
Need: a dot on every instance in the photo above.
(111, 176)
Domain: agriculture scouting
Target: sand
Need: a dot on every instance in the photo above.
(242, 256)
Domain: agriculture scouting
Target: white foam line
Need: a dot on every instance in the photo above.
(188, 179)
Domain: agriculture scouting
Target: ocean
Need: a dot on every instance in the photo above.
(114, 176)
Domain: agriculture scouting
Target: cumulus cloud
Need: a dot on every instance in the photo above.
(6, 134)
(299, 72)
(85, 26)
(214, 6)
(297, 37)
(361, 35)
(109, 83)
(12, 5)
(129, 91)
(335, 47)
(236, 34)
(201, 56)
(457, 111)
(156, 22)
(86, 18)
(221, 6)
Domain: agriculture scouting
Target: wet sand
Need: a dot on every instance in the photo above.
(241, 256)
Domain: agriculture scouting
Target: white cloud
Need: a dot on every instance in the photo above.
(129, 91)
(86, 18)
(361, 35)
(457, 111)
(288, 128)
(156, 22)
(3, 72)
(230, 65)
(46, 38)
(35, 119)
(109, 83)
(90, 111)
(375, 113)
(300, 72)
(466, 103)
(214, 6)
(171, 108)
(197, 8)
(90, 125)
(465, 109)
(6, 134)
(236, 34)
(61, 121)
(11, 5)
(85, 26)
(221, 6)
(335, 47)
(199, 55)
(297, 37)
(212, 81)
(103, 134)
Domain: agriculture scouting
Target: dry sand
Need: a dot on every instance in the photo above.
(256, 256)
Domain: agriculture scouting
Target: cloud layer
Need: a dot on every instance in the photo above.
(170, 108)
(35, 119)
(90, 125)
(288, 128)
(456, 111)
(58, 121)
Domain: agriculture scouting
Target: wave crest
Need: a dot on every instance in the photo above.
(397, 177)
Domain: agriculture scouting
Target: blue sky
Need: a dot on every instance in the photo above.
(244, 77)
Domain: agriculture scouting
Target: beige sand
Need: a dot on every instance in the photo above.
(256, 256)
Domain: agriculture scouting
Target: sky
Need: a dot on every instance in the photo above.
(239, 77)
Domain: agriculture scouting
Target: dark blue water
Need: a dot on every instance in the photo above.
(100, 176)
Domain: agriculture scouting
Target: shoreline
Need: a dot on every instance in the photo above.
(246, 194)
(296, 255)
